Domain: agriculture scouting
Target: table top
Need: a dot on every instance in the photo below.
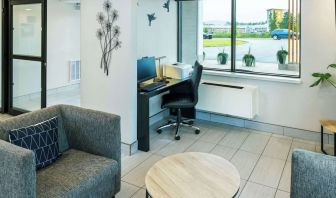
(193, 175)
(329, 124)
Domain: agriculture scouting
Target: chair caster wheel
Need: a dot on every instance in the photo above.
(159, 131)
(177, 137)
(197, 132)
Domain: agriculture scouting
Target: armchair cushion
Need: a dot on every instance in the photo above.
(77, 174)
(41, 138)
(313, 175)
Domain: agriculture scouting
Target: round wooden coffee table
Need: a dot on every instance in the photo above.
(192, 175)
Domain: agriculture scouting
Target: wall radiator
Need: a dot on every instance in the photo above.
(228, 99)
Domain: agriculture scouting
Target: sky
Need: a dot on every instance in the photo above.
(247, 10)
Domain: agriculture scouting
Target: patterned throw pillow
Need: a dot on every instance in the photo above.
(41, 138)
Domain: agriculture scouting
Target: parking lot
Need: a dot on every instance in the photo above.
(263, 49)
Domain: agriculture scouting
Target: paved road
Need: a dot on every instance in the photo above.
(263, 49)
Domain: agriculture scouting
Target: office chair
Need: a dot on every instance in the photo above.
(183, 101)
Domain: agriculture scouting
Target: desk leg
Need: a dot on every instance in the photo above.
(322, 149)
(147, 194)
(335, 144)
(143, 123)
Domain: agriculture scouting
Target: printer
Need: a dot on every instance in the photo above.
(178, 71)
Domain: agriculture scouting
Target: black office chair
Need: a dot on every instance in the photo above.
(183, 101)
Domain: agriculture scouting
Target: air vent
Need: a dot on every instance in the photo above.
(74, 71)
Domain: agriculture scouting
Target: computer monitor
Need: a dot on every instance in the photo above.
(146, 69)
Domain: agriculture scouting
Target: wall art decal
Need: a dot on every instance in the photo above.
(151, 17)
(167, 5)
(108, 34)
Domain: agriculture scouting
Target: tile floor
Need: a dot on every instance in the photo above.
(70, 96)
(263, 159)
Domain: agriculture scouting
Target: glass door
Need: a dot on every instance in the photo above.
(27, 60)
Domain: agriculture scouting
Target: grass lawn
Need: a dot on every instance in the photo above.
(220, 42)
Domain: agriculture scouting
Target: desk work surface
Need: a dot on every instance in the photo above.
(170, 84)
(329, 124)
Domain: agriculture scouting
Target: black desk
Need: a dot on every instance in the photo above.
(174, 85)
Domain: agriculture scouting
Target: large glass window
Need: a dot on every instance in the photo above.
(265, 39)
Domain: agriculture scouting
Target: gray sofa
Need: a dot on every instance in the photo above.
(88, 167)
(313, 175)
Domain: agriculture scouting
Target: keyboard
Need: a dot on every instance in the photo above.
(153, 86)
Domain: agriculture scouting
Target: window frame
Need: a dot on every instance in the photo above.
(233, 43)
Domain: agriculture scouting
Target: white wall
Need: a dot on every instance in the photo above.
(297, 105)
(160, 39)
(117, 92)
(63, 41)
(157, 40)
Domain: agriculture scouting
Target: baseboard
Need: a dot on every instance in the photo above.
(129, 149)
(266, 127)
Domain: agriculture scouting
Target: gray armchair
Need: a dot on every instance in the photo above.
(313, 175)
(89, 166)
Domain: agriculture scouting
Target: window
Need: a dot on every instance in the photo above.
(243, 36)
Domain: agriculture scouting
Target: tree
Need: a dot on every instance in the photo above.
(272, 21)
(206, 30)
(284, 22)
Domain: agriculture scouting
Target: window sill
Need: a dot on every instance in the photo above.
(253, 77)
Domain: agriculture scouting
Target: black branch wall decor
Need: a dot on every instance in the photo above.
(167, 5)
(108, 34)
(151, 17)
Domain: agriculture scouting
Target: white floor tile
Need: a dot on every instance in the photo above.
(213, 136)
(301, 144)
(278, 147)
(253, 190)
(282, 194)
(140, 194)
(127, 190)
(130, 162)
(268, 171)
(234, 139)
(158, 143)
(241, 187)
(245, 163)
(176, 147)
(224, 151)
(137, 175)
(201, 146)
(255, 143)
(285, 181)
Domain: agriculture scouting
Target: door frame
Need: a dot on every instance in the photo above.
(8, 56)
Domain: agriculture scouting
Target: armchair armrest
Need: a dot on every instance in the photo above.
(17, 171)
(313, 175)
(93, 132)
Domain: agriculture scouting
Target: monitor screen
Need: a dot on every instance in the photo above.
(146, 69)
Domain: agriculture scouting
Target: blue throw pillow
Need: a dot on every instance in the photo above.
(41, 138)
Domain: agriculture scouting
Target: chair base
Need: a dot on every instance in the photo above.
(178, 123)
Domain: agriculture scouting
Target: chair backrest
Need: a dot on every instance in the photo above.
(195, 81)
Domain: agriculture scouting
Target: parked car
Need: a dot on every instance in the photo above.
(207, 35)
(281, 34)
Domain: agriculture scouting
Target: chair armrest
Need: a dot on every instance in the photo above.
(313, 175)
(17, 171)
(93, 132)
